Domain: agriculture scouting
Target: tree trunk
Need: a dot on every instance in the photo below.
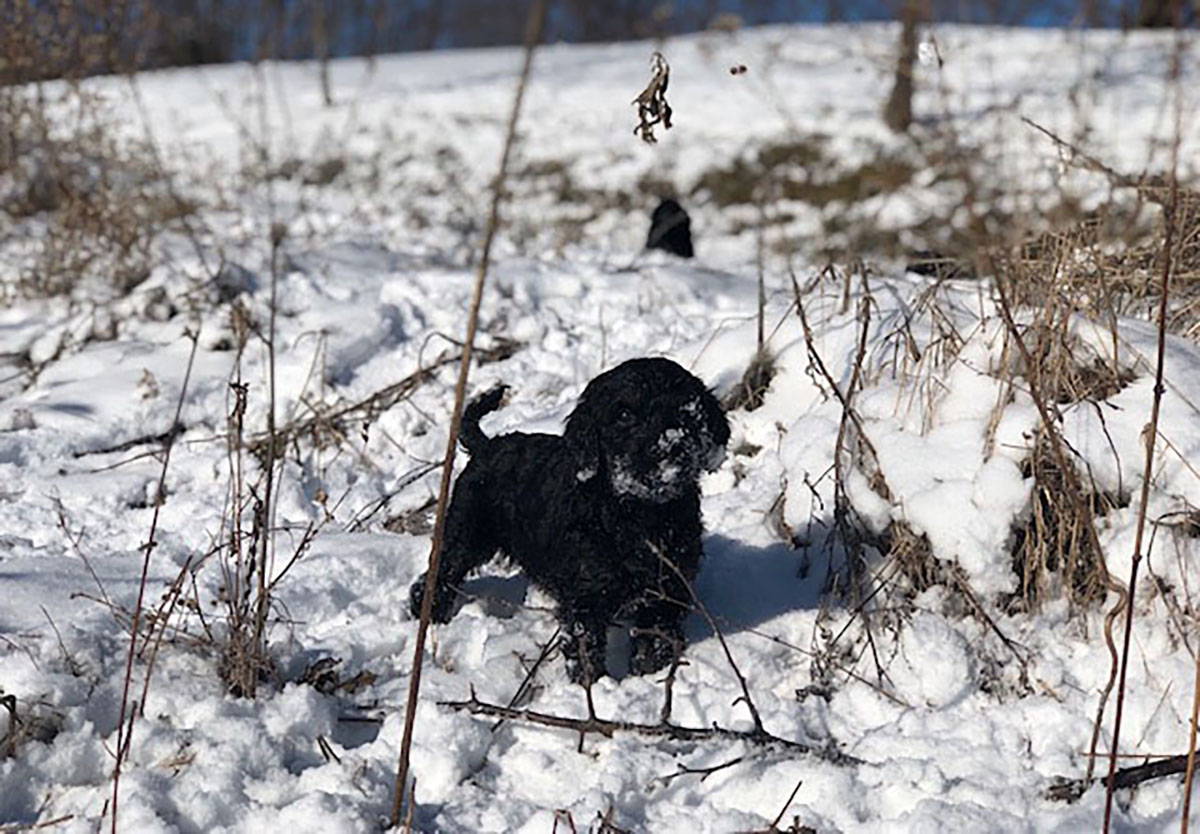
(897, 113)
(1154, 14)
(320, 36)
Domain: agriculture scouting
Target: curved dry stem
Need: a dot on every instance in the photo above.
(1150, 433)
(125, 730)
(533, 33)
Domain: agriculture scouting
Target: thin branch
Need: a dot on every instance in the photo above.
(673, 732)
(1149, 436)
(712, 623)
(702, 772)
(125, 732)
(384, 398)
(787, 804)
(159, 439)
(14, 828)
(523, 689)
(266, 541)
(1069, 790)
(843, 399)
(1191, 754)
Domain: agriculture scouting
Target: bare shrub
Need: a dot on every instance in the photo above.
(90, 205)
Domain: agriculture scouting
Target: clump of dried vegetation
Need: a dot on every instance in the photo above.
(88, 198)
(90, 206)
(1075, 272)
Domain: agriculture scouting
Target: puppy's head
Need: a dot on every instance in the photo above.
(649, 428)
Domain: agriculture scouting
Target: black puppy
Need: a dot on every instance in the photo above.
(670, 229)
(594, 516)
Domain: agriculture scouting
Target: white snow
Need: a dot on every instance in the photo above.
(374, 284)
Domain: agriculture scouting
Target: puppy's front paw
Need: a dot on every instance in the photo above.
(443, 602)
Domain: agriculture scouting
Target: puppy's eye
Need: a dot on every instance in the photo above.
(624, 414)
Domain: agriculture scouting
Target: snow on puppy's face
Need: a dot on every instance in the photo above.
(649, 428)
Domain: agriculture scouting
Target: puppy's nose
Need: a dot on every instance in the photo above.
(673, 440)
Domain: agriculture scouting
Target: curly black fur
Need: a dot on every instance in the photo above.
(591, 516)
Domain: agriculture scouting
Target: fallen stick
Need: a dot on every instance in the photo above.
(1069, 790)
(663, 729)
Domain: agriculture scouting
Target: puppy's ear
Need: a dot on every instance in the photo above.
(583, 441)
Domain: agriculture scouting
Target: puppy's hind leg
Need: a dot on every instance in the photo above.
(467, 543)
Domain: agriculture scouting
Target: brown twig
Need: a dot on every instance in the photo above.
(1068, 790)
(533, 34)
(1149, 437)
(674, 732)
(266, 542)
(160, 439)
(712, 623)
(523, 689)
(702, 772)
(125, 732)
(815, 356)
(14, 828)
(9, 702)
(786, 805)
(1114, 176)
(383, 399)
(1191, 754)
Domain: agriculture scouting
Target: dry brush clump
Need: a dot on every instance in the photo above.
(84, 202)
(1056, 552)
(1089, 272)
(1054, 546)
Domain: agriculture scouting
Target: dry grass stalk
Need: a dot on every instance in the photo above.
(913, 556)
(106, 205)
(266, 541)
(125, 730)
(533, 34)
(1150, 435)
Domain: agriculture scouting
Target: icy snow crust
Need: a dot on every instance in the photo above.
(368, 295)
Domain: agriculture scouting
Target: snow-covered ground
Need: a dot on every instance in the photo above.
(962, 732)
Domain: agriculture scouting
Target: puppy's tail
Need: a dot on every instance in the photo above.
(471, 436)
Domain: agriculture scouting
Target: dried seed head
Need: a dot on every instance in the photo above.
(652, 102)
